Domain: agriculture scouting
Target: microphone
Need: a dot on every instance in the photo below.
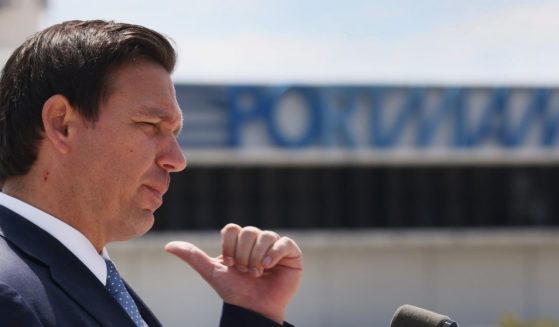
(412, 316)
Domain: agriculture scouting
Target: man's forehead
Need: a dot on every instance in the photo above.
(136, 75)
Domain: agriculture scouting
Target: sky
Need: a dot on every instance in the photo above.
(436, 42)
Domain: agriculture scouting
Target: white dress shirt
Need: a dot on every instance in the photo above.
(70, 237)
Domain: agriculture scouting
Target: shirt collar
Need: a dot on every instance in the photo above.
(70, 237)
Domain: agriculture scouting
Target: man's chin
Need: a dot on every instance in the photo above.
(139, 226)
(145, 224)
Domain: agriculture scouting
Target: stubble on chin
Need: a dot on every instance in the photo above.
(134, 225)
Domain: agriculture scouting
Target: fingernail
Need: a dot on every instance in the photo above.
(228, 261)
(267, 261)
(242, 269)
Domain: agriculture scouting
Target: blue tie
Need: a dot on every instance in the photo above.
(116, 287)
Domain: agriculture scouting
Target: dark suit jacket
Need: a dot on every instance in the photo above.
(43, 284)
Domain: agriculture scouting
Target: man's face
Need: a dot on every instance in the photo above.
(126, 157)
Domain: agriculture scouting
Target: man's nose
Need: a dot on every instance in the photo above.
(172, 159)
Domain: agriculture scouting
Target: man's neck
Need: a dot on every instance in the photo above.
(19, 188)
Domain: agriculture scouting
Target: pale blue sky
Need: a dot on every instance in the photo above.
(351, 41)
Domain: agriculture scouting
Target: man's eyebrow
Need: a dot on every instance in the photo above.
(163, 115)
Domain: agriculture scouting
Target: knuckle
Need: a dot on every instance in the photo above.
(285, 244)
(250, 231)
(290, 242)
(230, 228)
(285, 240)
(269, 235)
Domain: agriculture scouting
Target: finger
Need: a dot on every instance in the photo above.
(284, 252)
(245, 242)
(229, 235)
(193, 256)
(264, 242)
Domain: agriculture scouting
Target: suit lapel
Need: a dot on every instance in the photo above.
(67, 271)
(82, 286)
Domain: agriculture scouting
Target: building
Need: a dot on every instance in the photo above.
(18, 20)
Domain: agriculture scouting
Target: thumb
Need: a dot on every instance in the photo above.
(191, 254)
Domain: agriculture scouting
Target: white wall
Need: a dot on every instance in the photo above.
(18, 20)
(361, 278)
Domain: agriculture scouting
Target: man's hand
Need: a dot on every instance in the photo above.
(257, 270)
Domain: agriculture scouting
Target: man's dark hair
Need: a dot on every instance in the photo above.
(73, 59)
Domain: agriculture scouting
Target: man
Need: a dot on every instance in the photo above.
(88, 127)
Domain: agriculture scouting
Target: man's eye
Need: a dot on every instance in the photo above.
(153, 126)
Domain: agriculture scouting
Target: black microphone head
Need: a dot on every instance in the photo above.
(412, 316)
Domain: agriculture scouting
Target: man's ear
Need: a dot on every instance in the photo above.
(59, 119)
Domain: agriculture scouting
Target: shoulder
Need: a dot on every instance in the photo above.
(14, 310)
(10, 298)
(21, 277)
(14, 264)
